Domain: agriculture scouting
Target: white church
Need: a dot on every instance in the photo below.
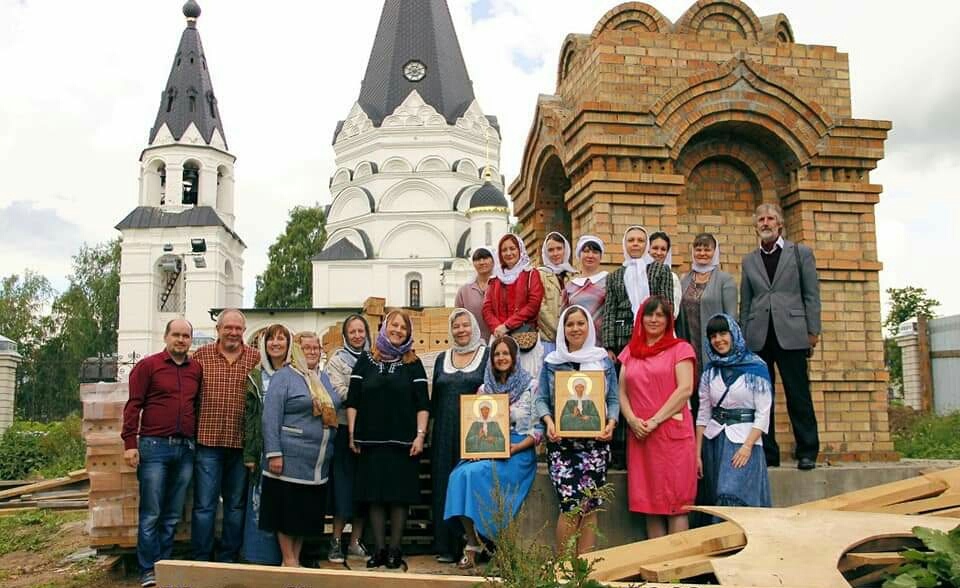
(416, 189)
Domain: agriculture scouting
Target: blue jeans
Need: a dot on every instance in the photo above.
(165, 470)
(219, 472)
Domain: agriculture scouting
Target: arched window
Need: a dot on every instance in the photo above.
(488, 234)
(415, 294)
(414, 290)
(191, 182)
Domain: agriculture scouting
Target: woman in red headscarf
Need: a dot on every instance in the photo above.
(655, 384)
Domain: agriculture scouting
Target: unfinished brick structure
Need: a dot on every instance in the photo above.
(686, 127)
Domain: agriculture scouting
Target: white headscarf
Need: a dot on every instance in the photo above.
(635, 276)
(709, 267)
(667, 261)
(564, 265)
(590, 357)
(582, 242)
(475, 337)
(509, 276)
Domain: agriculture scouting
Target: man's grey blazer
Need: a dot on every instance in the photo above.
(795, 315)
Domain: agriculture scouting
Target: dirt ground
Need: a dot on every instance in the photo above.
(51, 566)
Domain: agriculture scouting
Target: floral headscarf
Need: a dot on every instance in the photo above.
(517, 382)
(509, 276)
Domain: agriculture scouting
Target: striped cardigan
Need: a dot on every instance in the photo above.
(617, 326)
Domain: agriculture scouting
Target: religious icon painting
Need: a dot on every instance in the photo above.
(484, 426)
(580, 403)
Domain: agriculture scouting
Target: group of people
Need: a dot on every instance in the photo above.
(348, 438)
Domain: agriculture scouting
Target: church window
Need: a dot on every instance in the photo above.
(191, 183)
(193, 104)
(162, 172)
(488, 234)
(171, 94)
(415, 293)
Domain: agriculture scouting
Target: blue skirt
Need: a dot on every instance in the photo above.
(259, 546)
(470, 492)
(725, 485)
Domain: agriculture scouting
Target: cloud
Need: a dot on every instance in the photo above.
(525, 62)
(481, 10)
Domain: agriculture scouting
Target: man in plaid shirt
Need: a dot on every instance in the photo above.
(219, 459)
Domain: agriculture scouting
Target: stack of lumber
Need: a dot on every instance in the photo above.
(69, 492)
(856, 537)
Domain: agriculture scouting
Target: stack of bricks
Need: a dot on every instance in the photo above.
(114, 490)
(685, 127)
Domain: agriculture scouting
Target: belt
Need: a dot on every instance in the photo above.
(173, 440)
(733, 416)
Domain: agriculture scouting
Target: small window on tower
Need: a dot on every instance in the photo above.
(193, 104)
(171, 94)
(488, 234)
(162, 172)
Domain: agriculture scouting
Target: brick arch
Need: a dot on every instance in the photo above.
(550, 184)
(572, 45)
(636, 16)
(727, 173)
(720, 18)
(707, 99)
(776, 28)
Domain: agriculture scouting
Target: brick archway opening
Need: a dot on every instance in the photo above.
(729, 169)
(550, 189)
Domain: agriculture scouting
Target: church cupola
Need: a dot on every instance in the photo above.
(489, 216)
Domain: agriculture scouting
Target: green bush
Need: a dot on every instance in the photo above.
(29, 449)
(930, 437)
(928, 569)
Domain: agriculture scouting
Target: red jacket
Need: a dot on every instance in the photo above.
(515, 304)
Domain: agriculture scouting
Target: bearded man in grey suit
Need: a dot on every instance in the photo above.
(780, 313)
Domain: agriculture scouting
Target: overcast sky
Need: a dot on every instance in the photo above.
(80, 85)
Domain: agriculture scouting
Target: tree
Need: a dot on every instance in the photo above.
(24, 303)
(286, 281)
(58, 336)
(906, 303)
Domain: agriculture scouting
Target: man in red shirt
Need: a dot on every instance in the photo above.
(159, 425)
(219, 466)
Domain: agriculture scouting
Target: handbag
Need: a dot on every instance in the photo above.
(526, 337)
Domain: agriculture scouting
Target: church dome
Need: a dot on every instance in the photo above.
(488, 196)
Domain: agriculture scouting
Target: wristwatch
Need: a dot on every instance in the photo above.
(421, 432)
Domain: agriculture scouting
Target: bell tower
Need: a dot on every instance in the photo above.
(180, 256)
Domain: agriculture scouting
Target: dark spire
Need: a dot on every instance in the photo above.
(188, 96)
(416, 35)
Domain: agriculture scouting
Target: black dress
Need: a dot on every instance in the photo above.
(387, 397)
(449, 384)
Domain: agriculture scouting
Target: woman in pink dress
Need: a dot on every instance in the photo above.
(655, 384)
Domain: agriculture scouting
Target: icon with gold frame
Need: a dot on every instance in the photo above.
(484, 426)
(580, 403)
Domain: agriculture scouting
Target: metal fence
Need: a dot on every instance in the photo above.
(945, 363)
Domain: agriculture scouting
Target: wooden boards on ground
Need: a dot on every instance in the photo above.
(190, 574)
(802, 547)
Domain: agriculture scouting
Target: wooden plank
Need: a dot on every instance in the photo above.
(625, 561)
(217, 575)
(78, 474)
(852, 561)
(876, 497)
(874, 576)
(947, 500)
(39, 486)
(677, 569)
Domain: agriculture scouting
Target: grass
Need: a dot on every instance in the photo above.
(33, 530)
(928, 436)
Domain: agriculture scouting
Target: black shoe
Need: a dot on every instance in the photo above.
(395, 560)
(806, 463)
(378, 559)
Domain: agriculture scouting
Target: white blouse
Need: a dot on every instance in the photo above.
(739, 397)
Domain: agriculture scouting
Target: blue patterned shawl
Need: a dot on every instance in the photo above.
(739, 361)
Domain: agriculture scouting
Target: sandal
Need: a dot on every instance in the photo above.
(469, 559)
